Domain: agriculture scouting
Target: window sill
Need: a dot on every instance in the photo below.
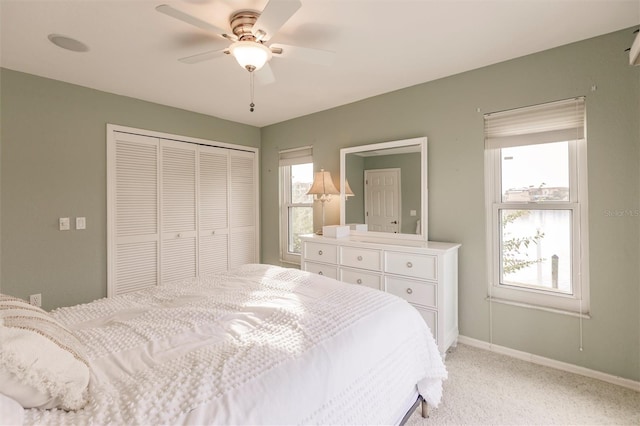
(584, 315)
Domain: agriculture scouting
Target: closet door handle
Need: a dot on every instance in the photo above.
(409, 265)
(320, 273)
(359, 281)
(409, 290)
(360, 258)
(320, 252)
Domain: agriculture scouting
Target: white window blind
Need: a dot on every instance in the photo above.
(551, 122)
(295, 156)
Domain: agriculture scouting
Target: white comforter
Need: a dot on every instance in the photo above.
(260, 345)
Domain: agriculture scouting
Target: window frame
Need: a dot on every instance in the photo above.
(539, 298)
(286, 203)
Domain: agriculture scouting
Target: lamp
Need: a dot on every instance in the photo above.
(251, 55)
(322, 188)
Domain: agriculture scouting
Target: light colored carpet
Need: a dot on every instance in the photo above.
(485, 388)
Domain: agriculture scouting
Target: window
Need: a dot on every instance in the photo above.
(536, 186)
(296, 208)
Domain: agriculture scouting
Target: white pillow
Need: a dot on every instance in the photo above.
(41, 361)
(11, 412)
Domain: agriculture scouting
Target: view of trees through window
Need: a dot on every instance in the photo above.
(301, 205)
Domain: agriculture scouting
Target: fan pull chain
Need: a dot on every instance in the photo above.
(251, 88)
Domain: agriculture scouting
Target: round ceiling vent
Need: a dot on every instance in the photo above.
(68, 43)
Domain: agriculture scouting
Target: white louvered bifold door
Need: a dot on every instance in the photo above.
(133, 257)
(176, 209)
(214, 209)
(178, 258)
(244, 209)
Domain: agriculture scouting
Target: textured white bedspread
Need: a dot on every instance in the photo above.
(259, 345)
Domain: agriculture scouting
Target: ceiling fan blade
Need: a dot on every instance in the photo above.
(274, 15)
(189, 19)
(265, 75)
(306, 54)
(201, 57)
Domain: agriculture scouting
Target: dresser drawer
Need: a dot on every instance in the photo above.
(431, 318)
(320, 269)
(412, 265)
(357, 257)
(321, 252)
(358, 277)
(417, 293)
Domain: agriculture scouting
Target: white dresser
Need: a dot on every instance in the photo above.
(423, 273)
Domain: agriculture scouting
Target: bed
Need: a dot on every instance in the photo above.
(258, 345)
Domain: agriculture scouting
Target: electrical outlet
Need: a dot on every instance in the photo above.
(36, 299)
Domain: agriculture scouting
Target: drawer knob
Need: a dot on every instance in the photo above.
(320, 273)
(213, 232)
(359, 281)
(320, 252)
(359, 257)
(409, 290)
(179, 235)
(409, 265)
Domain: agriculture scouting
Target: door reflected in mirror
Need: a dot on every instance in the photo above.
(388, 183)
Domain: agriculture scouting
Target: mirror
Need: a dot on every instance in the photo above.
(384, 186)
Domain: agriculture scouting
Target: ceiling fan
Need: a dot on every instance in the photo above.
(249, 32)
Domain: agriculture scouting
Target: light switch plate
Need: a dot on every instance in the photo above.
(81, 223)
(64, 224)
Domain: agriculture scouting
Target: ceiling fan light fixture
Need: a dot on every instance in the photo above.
(250, 55)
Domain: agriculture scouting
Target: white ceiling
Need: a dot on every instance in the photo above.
(379, 45)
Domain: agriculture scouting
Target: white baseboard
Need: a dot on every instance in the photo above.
(548, 362)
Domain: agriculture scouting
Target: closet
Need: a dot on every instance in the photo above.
(177, 207)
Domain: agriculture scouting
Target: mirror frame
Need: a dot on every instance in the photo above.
(422, 141)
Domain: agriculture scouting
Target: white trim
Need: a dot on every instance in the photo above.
(538, 307)
(634, 51)
(552, 363)
(179, 138)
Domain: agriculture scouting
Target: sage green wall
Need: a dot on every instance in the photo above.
(450, 113)
(53, 137)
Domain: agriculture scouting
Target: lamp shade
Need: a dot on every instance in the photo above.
(323, 184)
(347, 189)
(250, 54)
